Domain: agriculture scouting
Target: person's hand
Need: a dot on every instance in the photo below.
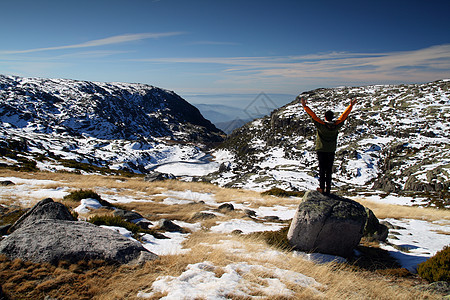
(303, 102)
(353, 101)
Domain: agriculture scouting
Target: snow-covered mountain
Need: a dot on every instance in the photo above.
(114, 125)
(396, 139)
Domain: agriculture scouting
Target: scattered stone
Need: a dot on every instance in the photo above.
(271, 218)
(201, 215)
(144, 224)
(237, 232)
(6, 183)
(224, 167)
(168, 225)
(249, 212)
(327, 224)
(158, 176)
(62, 240)
(4, 229)
(226, 207)
(127, 215)
(390, 226)
(45, 209)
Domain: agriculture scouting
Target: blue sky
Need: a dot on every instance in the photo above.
(203, 50)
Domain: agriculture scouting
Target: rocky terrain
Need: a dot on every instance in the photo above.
(395, 140)
(53, 123)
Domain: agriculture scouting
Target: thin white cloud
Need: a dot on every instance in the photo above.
(415, 65)
(214, 43)
(118, 39)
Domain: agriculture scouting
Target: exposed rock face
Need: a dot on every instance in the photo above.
(55, 240)
(48, 233)
(373, 229)
(330, 225)
(45, 209)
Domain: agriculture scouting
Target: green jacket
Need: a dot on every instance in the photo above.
(327, 132)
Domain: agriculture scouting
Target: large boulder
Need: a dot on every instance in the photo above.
(327, 224)
(61, 240)
(48, 233)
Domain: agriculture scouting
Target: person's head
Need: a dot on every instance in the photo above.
(329, 115)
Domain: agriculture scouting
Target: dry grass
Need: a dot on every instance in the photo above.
(95, 280)
(383, 211)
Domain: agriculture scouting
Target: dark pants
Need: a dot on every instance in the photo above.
(325, 169)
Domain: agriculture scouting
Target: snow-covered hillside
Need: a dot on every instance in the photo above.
(115, 125)
(396, 139)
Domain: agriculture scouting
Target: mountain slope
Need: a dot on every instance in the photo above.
(100, 123)
(396, 139)
(102, 110)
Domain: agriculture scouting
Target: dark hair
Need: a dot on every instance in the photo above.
(329, 115)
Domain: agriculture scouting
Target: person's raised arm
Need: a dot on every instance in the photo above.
(310, 112)
(346, 112)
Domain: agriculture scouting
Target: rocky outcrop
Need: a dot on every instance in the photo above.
(45, 209)
(48, 233)
(327, 224)
(386, 141)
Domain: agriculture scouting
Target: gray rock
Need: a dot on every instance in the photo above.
(144, 224)
(6, 183)
(170, 226)
(390, 226)
(373, 229)
(250, 212)
(201, 215)
(327, 224)
(61, 240)
(4, 229)
(45, 209)
(127, 215)
(226, 207)
(271, 218)
(157, 176)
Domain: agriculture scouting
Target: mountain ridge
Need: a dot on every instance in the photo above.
(121, 125)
